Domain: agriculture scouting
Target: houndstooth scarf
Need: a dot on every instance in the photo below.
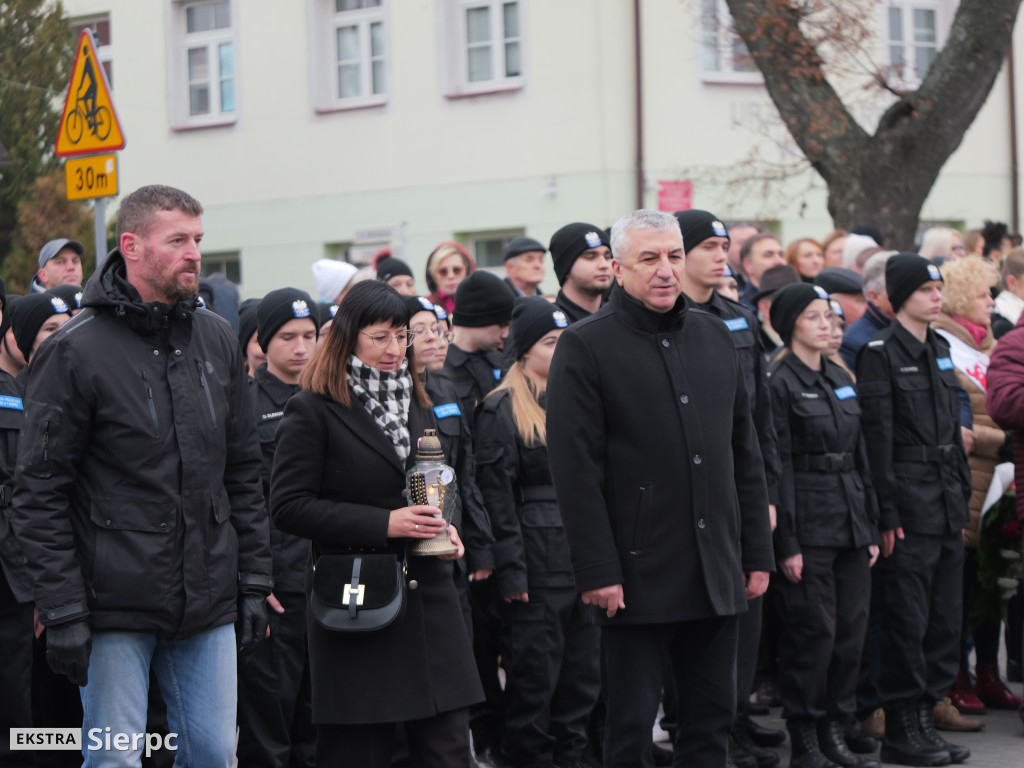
(386, 395)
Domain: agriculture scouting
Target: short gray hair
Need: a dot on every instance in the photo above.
(136, 212)
(645, 218)
(874, 272)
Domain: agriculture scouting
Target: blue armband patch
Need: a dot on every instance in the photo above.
(945, 364)
(845, 393)
(11, 403)
(446, 410)
(737, 324)
(497, 374)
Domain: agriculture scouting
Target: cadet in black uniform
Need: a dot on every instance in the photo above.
(274, 708)
(911, 425)
(480, 321)
(583, 265)
(549, 648)
(15, 583)
(706, 240)
(826, 531)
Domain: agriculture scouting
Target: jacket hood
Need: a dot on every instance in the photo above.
(109, 291)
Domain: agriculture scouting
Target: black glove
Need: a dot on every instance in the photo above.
(67, 650)
(252, 620)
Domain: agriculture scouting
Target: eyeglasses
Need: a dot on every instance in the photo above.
(448, 336)
(958, 248)
(451, 271)
(382, 339)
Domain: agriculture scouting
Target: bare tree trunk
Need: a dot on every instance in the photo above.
(883, 178)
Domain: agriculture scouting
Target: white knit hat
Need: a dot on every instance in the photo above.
(331, 277)
(854, 247)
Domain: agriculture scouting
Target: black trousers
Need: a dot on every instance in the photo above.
(868, 699)
(985, 633)
(826, 618)
(274, 706)
(746, 656)
(485, 720)
(441, 741)
(550, 653)
(703, 657)
(921, 620)
(15, 673)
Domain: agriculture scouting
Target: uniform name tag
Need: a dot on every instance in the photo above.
(12, 403)
(909, 369)
(845, 393)
(809, 395)
(497, 374)
(273, 415)
(737, 324)
(945, 364)
(446, 410)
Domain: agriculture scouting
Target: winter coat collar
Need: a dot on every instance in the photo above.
(278, 391)
(110, 291)
(829, 371)
(635, 314)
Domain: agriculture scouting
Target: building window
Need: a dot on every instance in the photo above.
(487, 51)
(350, 42)
(228, 264)
(724, 55)
(205, 81)
(488, 248)
(100, 26)
(914, 32)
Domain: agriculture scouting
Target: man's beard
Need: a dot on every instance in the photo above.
(171, 288)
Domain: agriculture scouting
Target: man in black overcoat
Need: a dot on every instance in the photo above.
(661, 486)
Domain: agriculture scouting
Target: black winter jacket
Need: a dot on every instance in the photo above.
(530, 549)
(12, 559)
(655, 461)
(138, 488)
(827, 498)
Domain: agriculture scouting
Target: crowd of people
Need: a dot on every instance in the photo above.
(711, 476)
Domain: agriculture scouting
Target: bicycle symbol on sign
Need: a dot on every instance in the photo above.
(86, 113)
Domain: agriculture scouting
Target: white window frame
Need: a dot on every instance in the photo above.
(213, 263)
(726, 39)
(104, 53)
(325, 22)
(908, 79)
(454, 48)
(179, 87)
(474, 240)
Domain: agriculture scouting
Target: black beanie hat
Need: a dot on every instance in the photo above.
(533, 318)
(247, 323)
(71, 294)
(392, 267)
(904, 274)
(34, 310)
(419, 304)
(570, 241)
(787, 304)
(520, 245)
(698, 226)
(280, 306)
(482, 299)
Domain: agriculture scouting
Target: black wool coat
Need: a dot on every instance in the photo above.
(655, 461)
(336, 478)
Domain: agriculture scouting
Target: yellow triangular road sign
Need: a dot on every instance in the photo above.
(89, 123)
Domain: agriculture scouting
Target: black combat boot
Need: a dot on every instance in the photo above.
(740, 743)
(858, 741)
(926, 720)
(806, 751)
(763, 737)
(834, 747)
(903, 742)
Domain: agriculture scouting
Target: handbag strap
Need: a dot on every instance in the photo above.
(353, 603)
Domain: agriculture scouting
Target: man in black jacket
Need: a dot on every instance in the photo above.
(137, 493)
(661, 486)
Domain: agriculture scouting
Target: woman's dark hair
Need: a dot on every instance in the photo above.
(369, 302)
(993, 234)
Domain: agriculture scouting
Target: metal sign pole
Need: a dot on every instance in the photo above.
(100, 235)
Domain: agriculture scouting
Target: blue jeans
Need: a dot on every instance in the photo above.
(197, 678)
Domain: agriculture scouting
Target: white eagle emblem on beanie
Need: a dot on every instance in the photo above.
(299, 308)
(593, 239)
(58, 304)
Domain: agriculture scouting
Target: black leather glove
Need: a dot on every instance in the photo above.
(252, 620)
(67, 650)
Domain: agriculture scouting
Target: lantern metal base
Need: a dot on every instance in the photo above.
(440, 544)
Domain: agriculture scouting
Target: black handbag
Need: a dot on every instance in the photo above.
(358, 592)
